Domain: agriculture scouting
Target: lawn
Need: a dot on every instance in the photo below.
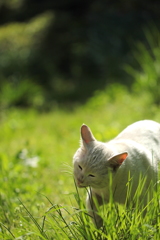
(38, 197)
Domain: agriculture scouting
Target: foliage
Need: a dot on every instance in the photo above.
(147, 55)
(38, 197)
(69, 49)
(18, 43)
(21, 93)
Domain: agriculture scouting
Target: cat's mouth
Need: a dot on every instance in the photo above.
(80, 185)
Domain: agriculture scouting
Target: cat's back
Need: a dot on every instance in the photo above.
(143, 132)
(139, 138)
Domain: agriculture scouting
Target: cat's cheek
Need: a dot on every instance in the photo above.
(75, 177)
(76, 182)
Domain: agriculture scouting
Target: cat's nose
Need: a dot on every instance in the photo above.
(79, 181)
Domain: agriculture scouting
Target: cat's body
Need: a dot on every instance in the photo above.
(132, 155)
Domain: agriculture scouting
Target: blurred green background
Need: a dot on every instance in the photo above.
(64, 63)
(59, 52)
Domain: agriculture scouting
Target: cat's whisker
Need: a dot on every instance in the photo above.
(67, 172)
(68, 166)
(67, 169)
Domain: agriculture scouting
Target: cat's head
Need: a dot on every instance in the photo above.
(94, 160)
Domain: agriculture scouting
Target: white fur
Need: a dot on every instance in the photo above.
(135, 152)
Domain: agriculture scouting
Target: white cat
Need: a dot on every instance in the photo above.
(133, 154)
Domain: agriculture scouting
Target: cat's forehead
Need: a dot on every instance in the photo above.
(99, 149)
(95, 152)
(96, 155)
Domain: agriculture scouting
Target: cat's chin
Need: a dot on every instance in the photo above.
(81, 186)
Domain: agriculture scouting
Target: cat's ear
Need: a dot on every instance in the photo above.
(86, 135)
(117, 160)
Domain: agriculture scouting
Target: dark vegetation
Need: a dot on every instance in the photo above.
(62, 51)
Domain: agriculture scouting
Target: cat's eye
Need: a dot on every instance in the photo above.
(91, 175)
(80, 167)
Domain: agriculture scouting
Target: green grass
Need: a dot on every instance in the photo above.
(41, 201)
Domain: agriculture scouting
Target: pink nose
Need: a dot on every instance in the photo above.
(79, 181)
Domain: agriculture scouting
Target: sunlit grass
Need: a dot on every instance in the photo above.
(40, 200)
(70, 222)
